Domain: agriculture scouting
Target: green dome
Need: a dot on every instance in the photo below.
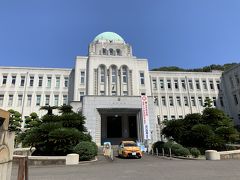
(111, 36)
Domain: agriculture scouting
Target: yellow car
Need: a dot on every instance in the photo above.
(129, 149)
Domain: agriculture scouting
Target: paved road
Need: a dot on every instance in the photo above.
(147, 168)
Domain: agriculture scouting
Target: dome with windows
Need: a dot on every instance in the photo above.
(109, 36)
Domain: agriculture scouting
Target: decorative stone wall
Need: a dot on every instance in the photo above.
(6, 147)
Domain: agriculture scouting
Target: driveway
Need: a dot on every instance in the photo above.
(147, 168)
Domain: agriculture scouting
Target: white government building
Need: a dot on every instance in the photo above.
(108, 86)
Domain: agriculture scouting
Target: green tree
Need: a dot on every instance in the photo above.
(15, 121)
(57, 134)
(65, 109)
(211, 130)
(208, 102)
(49, 109)
(32, 120)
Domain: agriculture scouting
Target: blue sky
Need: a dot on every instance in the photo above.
(185, 33)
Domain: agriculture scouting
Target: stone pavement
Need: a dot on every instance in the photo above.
(147, 168)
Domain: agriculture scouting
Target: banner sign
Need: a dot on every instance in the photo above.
(145, 114)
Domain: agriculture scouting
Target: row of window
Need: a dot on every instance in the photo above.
(114, 72)
(21, 80)
(182, 84)
(186, 101)
(39, 100)
(111, 52)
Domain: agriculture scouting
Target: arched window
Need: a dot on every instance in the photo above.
(104, 51)
(102, 74)
(114, 74)
(124, 74)
(119, 53)
(111, 52)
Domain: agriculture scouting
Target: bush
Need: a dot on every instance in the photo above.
(182, 152)
(158, 145)
(195, 152)
(86, 150)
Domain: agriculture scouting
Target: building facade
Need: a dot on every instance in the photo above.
(107, 87)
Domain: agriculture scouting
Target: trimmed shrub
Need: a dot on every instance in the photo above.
(158, 145)
(195, 152)
(86, 150)
(182, 152)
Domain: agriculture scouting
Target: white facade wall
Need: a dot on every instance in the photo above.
(231, 83)
(21, 95)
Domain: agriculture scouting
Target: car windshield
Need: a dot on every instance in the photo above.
(129, 144)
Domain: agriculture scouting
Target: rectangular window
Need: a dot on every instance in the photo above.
(231, 82)
(218, 85)
(114, 76)
(179, 101)
(204, 84)
(81, 96)
(20, 99)
(4, 82)
(31, 81)
(49, 82)
(180, 117)
(221, 101)
(176, 84)
(214, 101)
(237, 79)
(200, 101)
(102, 93)
(197, 85)
(211, 85)
(235, 99)
(1, 99)
(161, 83)
(57, 82)
(171, 101)
(114, 93)
(190, 83)
(10, 100)
(165, 118)
(156, 100)
(142, 78)
(65, 81)
(193, 101)
(154, 81)
(40, 81)
(163, 100)
(13, 80)
(38, 101)
(29, 100)
(56, 100)
(82, 80)
(47, 100)
(173, 117)
(169, 84)
(185, 101)
(22, 81)
(125, 93)
(65, 99)
(183, 84)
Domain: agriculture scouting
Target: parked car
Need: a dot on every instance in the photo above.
(129, 149)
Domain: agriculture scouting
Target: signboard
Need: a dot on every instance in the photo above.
(145, 114)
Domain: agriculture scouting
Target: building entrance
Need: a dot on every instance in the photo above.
(120, 124)
(114, 127)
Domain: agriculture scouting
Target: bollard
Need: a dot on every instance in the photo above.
(170, 153)
(162, 151)
(157, 151)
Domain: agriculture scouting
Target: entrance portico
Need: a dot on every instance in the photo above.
(113, 118)
(120, 124)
